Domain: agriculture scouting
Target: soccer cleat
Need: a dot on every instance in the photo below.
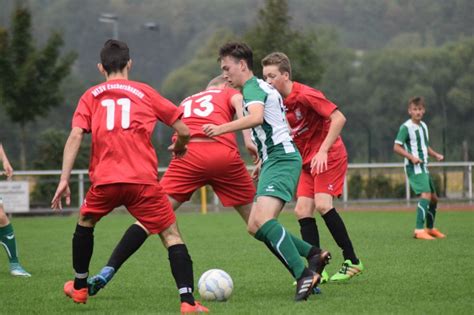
(317, 262)
(187, 308)
(347, 271)
(17, 270)
(324, 276)
(422, 235)
(97, 282)
(78, 296)
(305, 285)
(435, 233)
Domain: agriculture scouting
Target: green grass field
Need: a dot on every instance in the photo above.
(403, 275)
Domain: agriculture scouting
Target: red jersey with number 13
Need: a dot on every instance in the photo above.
(308, 112)
(211, 106)
(121, 115)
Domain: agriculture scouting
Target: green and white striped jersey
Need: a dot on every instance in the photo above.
(273, 135)
(415, 140)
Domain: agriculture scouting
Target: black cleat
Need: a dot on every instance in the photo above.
(305, 285)
(317, 262)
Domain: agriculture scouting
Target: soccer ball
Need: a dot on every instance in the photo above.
(215, 285)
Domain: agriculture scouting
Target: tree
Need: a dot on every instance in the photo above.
(30, 78)
(273, 32)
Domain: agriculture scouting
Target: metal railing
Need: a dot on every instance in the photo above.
(467, 167)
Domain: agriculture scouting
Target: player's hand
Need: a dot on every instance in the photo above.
(8, 170)
(211, 130)
(415, 160)
(252, 148)
(319, 163)
(256, 170)
(62, 191)
(439, 157)
(178, 151)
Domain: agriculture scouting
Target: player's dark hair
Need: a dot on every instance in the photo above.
(114, 56)
(239, 51)
(278, 59)
(417, 100)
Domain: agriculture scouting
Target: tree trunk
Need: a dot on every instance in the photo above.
(23, 147)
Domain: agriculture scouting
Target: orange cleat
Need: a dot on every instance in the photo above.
(78, 296)
(187, 308)
(435, 233)
(422, 235)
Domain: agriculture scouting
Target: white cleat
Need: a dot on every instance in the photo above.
(18, 271)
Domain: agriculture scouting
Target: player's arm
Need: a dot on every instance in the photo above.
(179, 147)
(253, 119)
(71, 149)
(319, 163)
(236, 102)
(7, 168)
(400, 150)
(436, 155)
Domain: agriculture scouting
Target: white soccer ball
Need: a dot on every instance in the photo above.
(215, 285)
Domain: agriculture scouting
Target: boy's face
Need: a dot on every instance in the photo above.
(416, 112)
(273, 76)
(232, 70)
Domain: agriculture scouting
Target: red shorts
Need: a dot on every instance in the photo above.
(210, 163)
(147, 203)
(330, 182)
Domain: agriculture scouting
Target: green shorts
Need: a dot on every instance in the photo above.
(279, 176)
(421, 182)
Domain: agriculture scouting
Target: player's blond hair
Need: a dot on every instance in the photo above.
(278, 59)
(216, 81)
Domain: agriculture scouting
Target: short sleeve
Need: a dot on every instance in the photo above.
(164, 109)
(319, 103)
(402, 135)
(82, 116)
(254, 94)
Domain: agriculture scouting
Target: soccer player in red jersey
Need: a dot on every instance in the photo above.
(316, 124)
(208, 161)
(121, 115)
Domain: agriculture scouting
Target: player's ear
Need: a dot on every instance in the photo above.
(129, 64)
(101, 69)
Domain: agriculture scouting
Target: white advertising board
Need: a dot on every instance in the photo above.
(15, 196)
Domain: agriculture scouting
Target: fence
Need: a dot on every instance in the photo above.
(374, 181)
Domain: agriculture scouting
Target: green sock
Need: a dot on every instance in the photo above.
(276, 235)
(7, 239)
(421, 213)
(302, 247)
(431, 215)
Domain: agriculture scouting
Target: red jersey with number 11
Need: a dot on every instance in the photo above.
(121, 115)
(211, 106)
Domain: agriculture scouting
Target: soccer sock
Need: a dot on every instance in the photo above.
(82, 247)
(339, 233)
(131, 241)
(309, 231)
(7, 239)
(431, 215)
(276, 235)
(421, 213)
(182, 269)
(302, 247)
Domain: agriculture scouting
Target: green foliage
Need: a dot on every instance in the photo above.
(30, 77)
(49, 156)
(273, 32)
(194, 76)
(356, 186)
